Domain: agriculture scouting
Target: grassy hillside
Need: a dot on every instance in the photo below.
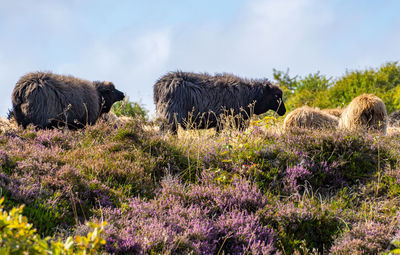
(256, 191)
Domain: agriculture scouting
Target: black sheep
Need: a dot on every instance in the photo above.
(48, 100)
(202, 99)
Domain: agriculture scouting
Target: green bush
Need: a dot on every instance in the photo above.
(310, 90)
(382, 82)
(130, 109)
(302, 223)
(319, 91)
(19, 237)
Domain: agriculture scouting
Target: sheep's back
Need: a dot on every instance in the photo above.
(40, 98)
(201, 95)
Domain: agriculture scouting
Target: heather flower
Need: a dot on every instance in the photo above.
(3, 157)
(244, 234)
(45, 137)
(21, 188)
(365, 238)
(199, 218)
(100, 192)
(293, 175)
(302, 221)
(239, 195)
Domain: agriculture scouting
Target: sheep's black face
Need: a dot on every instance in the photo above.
(277, 101)
(271, 99)
(109, 95)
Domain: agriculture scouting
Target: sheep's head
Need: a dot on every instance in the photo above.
(271, 99)
(108, 95)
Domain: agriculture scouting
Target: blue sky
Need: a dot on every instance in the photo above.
(133, 43)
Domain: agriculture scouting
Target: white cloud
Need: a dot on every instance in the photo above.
(265, 35)
(25, 27)
(132, 62)
(303, 35)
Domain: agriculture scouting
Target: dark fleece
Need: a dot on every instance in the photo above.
(49, 100)
(202, 98)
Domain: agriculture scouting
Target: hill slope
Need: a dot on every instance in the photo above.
(259, 191)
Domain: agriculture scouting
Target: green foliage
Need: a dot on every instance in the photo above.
(284, 79)
(319, 91)
(287, 84)
(129, 109)
(396, 250)
(46, 220)
(19, 237)
(382, 82)
(309, 90)
(303, 223)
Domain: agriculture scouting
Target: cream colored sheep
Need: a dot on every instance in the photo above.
(365, 112)
(307, 117)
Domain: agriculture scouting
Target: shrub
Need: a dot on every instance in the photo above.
(302, 223)
(198, 218)
(19, 237)
(283, 163)
(382, 82)
(364, 238)
(130, 109)
(319, 91)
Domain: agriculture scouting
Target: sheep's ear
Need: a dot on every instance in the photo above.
(103, 86)
(108, 83)
(102, 89)
(98, 84)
